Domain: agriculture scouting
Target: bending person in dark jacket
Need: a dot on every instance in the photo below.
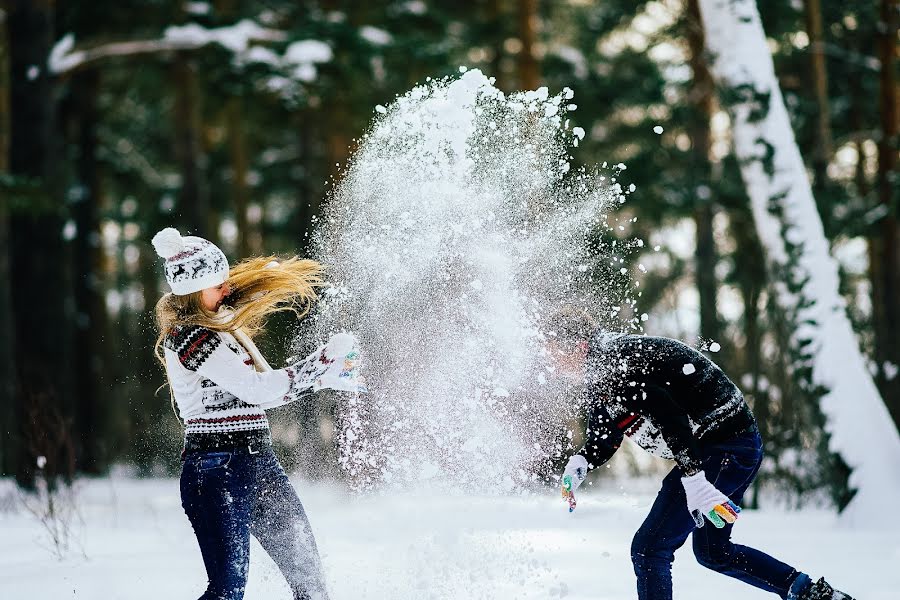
(677, 404)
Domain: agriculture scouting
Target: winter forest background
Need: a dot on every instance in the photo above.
(233, 119)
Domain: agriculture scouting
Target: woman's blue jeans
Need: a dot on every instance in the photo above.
(228, 495)
(730, 466)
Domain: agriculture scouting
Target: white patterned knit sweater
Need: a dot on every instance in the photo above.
(218, 386)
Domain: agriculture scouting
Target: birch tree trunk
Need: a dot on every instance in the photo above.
(826, 357)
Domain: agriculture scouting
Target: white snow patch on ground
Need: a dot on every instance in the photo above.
(140, 546)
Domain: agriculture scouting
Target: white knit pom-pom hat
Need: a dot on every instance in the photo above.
(192, 263)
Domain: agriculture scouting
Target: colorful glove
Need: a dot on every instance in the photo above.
(341, 353)
(574, 474)
(335, 365)
(704, 500)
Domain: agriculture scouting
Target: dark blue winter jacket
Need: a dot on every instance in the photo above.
(663, 394)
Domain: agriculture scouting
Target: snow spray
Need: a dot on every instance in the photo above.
(456, 229)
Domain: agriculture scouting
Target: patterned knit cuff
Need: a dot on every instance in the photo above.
(297, 385)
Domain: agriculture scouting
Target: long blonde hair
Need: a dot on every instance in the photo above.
(258, 289)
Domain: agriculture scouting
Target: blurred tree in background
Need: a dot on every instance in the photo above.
(231, 118)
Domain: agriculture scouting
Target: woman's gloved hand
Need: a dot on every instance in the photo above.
(335, 365)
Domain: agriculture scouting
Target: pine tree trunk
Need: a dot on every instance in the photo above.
(239, 190)
(301, 218)
(495, 18)
(700, 98)
(825, 354)
(38, 283)
(193, 201)
(7, 358)
(885, 253)
(529, 76)
(90, 312)
(750, 265)
(822, 150)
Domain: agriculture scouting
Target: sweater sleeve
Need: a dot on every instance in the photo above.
(674, 426)
(201, 350)
(602, 437)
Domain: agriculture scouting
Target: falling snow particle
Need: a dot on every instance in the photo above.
(688, 368)
(658, 130)
(715, 347)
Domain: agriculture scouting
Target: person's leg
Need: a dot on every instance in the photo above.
(280, 524)
(665, 529)
(217, 494)
(731, 467)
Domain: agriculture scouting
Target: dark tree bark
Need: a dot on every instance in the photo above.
(495, 18)
(823, 147)
(701, 101)
(7, 421)
(305, 140)
(750, 263)
(529, 74)
(37, 283)
(193, 200)
(239, 190)
(885, 253)
(90, 312)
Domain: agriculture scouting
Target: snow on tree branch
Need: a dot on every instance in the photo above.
(239, 38)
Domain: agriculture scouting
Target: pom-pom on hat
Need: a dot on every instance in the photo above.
(192, 263)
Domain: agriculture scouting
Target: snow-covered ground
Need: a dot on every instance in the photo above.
(137, 544)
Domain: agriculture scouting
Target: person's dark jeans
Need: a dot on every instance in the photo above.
(227, 495)
(731, 467)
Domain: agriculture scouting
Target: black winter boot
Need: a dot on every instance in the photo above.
(821, 590)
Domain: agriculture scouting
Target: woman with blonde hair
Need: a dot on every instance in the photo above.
(232, 485)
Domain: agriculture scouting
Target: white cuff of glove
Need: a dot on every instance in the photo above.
(702, 496)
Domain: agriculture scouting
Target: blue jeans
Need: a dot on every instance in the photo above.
(227, 495)
(731, 467)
